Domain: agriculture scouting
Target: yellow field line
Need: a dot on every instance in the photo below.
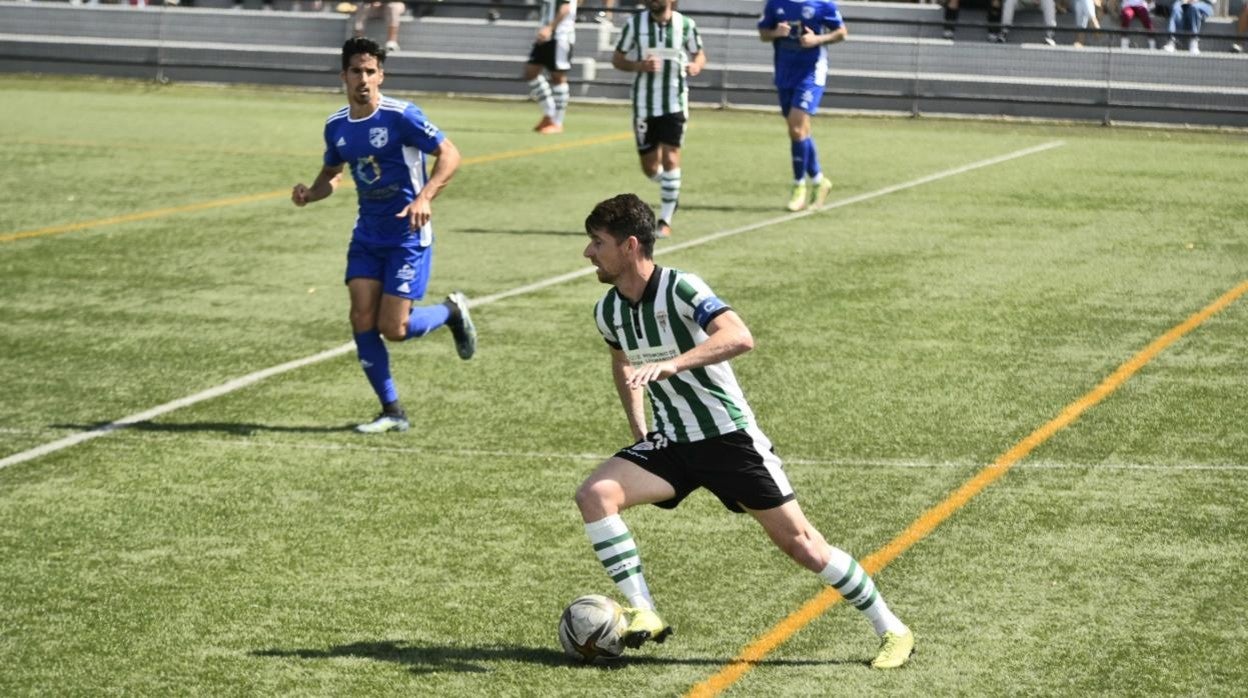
(933, 517)
(278, 193)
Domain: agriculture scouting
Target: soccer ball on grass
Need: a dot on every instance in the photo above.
(592, 627)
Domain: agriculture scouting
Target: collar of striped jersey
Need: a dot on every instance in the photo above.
(652, 289)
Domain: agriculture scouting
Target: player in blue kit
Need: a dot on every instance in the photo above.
(385, 142)
(800, 31)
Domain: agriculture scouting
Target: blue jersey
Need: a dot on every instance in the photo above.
(795, 64)
(385, 152)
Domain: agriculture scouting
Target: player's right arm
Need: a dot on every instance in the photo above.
(649, 64)
(770, 27)
(324, 185)
(630, 397)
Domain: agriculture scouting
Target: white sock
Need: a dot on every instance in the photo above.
(616, 550)
(669, 194)
(539, 90)
(853, 583)
(560, 93)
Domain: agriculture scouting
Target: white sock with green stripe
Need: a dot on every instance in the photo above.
(669, 193)
(618, 554)
(853, 583)
(560, 94)
(539, 91)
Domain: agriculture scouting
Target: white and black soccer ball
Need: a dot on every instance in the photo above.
(592, 627)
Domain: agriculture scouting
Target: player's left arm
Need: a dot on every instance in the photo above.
(546, 31)
(728, 338)
(810, 39)
(694, 47)
(421, 209)
(833, 24)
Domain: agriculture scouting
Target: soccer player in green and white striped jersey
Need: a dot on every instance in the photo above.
(672, 337)
(663, 48)
(552, 52)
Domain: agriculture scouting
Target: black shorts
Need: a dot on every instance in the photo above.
(668, 129)
(553, 55)
(739, 468)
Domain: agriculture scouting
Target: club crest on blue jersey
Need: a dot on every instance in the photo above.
(378, 137)
(367, 170)
(808, 12)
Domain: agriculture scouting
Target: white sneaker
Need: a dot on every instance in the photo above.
(1126, 43)
(1050, 41)
(1193, 46)
(392, 47)
(1237, 48)
(383, 423)
(1169, 47)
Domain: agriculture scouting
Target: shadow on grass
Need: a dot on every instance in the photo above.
(518, 231)
(424, 659)
(734, 207)
(235, 428)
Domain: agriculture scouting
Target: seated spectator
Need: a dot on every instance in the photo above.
(1132, 9)
(1188, 16)
(1047, 8)
(1241, 28)
(1087, 12)
(392, 10)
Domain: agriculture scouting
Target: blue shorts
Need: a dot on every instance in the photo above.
(402, 269)
(804, 96)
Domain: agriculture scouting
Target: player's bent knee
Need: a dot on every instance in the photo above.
(394, 332)
(599, 498)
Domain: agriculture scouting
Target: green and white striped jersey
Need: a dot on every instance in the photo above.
(566, 29)
(668, 321)
(667, 91)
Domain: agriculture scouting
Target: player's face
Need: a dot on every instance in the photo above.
(363, 78)
(607, 255)
(658, 7)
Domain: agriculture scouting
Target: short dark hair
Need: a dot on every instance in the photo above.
(624, 215)
(362, 44)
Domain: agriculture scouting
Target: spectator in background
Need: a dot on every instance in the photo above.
(1241, 28)
(1086, 13)
(1007, 20)
(392, 10)
(552, 53)
(1188, 16)
(953, 7)
(1133, 9)
(606, 15)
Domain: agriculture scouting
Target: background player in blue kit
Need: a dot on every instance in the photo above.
(385, 141)
(800, 31)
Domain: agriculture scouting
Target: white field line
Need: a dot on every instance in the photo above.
(252, 378)
(146, 439)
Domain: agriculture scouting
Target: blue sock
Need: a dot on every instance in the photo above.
(798, 148)
(812, 160)
(376, 363)
(425, 319)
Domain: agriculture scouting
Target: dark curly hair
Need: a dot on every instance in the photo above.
(362, 44)
(622, 216)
